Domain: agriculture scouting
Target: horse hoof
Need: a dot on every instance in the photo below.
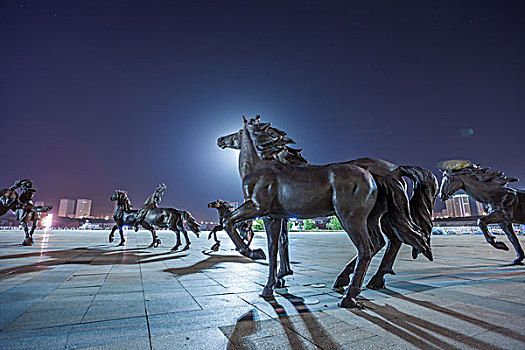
(280, 283)
(283, 274)
(175, 248)
(186, 247)
(518, 261)
(258, 254)
(348, 303)
(500, 245)
(341, 282)
(111, 239)
(267, 293)
(215, 247)
(121, 244)
(376, 286)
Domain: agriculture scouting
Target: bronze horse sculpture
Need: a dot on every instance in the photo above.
(505, 205)
(9, 196)
(124, 215)
(151, 216)
(27, 213)
(421, 203)
(278, 183)
(224, 210)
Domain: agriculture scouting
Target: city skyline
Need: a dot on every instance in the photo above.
(100, 97)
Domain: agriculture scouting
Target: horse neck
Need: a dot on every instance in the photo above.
(480, 191)
(121, 206)
(248, 158)
(25, 197)
(223, 211)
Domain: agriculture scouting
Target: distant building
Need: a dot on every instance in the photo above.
(479, 208)
(449, 207)
(83, 208)
(66, 208)
(458, 206)
(461, 205)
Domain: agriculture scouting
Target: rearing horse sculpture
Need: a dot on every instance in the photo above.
(9, 196)
(27, 213)
(394, 208)
(277, 189)
(505, 205)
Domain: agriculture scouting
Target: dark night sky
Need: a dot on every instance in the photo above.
(95, 97)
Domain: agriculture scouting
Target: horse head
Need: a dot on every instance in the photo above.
(232, 141)
(450, 184)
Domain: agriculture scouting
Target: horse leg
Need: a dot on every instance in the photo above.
(248, 210)
(284, 264)
(186, 238)
(387, 263)
(150, 228)
(356, 228)
(493, 218)
(343, 278)
(509, 231)
(27, 240)
(112, 234)
(213, 232)
(273, 229)
(122, 240)
(177, 234)
(33, 227)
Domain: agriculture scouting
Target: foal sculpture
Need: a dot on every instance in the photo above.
(397, 212)
(224, 210)
(505, 205)
(278, 185)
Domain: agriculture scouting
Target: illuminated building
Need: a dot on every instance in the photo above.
(83, 208)
(479, 208)
(66, 208)
(458, 206)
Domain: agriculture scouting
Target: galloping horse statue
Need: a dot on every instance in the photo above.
(9, 196)
(224, 210)
(392, 192)
(150, 216)
(27, 212)
(278, 183)
(125, 215)
(505, 205)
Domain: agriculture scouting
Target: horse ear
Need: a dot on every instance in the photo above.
(258, 118)
(244, 119)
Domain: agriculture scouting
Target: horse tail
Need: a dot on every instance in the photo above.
(190, 221)
(425, 190)
(398, 215)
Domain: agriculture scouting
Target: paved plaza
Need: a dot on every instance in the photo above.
(73, 289)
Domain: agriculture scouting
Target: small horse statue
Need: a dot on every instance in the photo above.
(9, 196)
(124, 215)
(152, 217)
(27, 212)
(505, 205)
(225, 209)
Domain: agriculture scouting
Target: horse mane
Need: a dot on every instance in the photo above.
(126, 203)
(484, 174)
(271, 143)
(225, 204)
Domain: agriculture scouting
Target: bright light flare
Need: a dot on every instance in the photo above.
(47, 222)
